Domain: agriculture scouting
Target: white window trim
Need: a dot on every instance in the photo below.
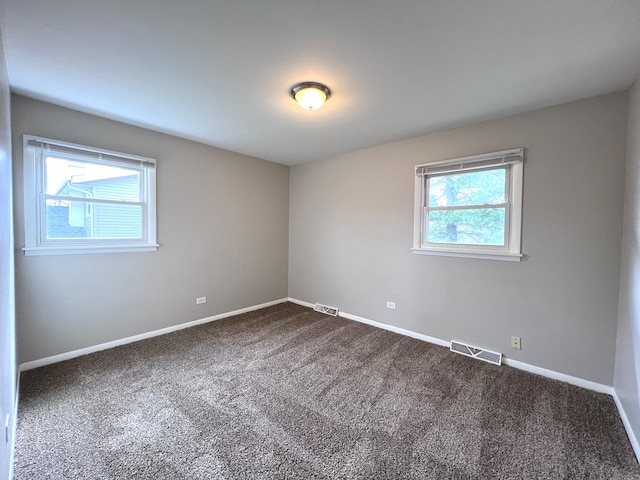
(512, 250)
(35, 244)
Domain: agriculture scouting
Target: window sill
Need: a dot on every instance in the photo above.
(483, 255)
(77, 250)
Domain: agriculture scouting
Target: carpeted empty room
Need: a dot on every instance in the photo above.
(364, 239)
(286, 392)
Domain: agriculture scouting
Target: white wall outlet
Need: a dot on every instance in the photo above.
(515, 343)
(391, 305)
(201, 300)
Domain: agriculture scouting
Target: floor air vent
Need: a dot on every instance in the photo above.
(333, 311)
(475, 352)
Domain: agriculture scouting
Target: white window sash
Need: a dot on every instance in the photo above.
(427, 244)
(512, 161)
(36, 243)
(67, 198)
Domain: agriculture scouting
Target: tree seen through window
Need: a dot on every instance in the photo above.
(468, 207)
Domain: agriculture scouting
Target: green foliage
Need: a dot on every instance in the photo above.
(483, 225)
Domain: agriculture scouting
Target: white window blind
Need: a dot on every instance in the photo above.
(506, 157)
(90, 153)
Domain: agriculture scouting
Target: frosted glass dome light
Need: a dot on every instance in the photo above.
(310, 95)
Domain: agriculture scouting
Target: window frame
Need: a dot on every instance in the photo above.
(513, 161)
(35, 198)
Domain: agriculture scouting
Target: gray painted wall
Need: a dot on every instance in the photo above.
(8, 367)
(351, 221)
(222, 229)
(627, 369)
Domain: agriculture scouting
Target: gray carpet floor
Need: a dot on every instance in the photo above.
(285, 392)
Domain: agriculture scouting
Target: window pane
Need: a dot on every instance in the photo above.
(81, 219)
(483, 187)
(483, 226)
(91, 180)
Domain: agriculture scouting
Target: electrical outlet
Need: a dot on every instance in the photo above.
(391, 305)
(201, 300)
(515, 343)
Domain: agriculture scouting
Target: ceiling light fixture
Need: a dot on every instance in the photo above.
(310, 95)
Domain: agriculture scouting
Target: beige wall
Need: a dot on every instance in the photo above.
(351, 220)
(223, 221)
(222, 229)
(8, 397)
(627, 368)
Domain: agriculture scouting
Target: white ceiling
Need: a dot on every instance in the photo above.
(219, 72)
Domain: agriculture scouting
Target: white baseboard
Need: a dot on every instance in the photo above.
(627, 426)
(383, 326)
(401, 331)
(300, 302)
(580, 382)
(563, 377)
(136, 338)
(14, 427)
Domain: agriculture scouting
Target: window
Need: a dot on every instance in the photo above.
(470, 207)
(81, 199)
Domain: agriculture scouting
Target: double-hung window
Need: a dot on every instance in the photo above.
(81, 199)
(470, 207)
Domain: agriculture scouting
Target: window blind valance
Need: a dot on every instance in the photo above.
(70, 149)
(486, 160)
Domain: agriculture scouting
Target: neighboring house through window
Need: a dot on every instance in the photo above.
(470, 207)
(81, 199)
